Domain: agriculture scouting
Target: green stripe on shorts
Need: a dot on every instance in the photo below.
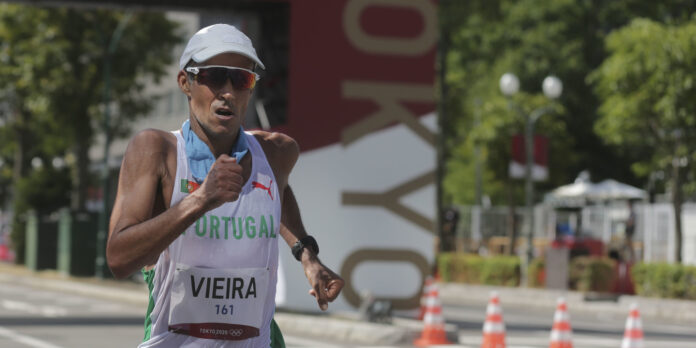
(149, 279)
(277, 340)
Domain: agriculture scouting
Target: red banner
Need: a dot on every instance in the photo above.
(519, 158)
(519, 152)
(351, 60)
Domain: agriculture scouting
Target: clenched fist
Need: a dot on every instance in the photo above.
(223, 183)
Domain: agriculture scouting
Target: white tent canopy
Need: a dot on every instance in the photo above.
(611, 189)
(583, 191)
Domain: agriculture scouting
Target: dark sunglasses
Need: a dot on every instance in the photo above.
(216, 76)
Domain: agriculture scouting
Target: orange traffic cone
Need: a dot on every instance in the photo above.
(429, 281)
(434, 329)
(561, 333)
(633, 334)
(493, 327)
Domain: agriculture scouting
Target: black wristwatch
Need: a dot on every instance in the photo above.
(306, 242)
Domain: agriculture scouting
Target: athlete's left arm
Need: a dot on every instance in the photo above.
(282, 153)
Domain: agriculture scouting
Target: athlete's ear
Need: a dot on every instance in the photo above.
(184, 83)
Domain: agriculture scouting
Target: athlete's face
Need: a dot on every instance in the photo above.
(219, 108)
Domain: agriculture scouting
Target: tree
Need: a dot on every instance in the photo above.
(51, 92)
(533, 38)
(26, 63)
(142, 55)
(488, 39)
(647, 86)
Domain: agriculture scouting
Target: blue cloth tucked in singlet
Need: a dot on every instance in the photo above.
(200, 158)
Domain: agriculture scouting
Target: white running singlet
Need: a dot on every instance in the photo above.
(214, 286)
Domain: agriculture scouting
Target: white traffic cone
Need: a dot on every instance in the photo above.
(633, 334)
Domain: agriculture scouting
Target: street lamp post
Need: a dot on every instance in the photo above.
(552, 87)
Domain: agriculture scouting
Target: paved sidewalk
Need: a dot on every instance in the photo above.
(124, 291)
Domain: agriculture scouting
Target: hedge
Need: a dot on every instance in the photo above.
(501, 270)
(585, 273)
(665, 280)
(474, 269)
(589, 273)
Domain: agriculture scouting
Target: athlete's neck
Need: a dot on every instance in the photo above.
(217, 143)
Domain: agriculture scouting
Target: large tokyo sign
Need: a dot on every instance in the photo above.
(361, 102)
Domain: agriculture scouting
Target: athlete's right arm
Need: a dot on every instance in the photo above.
(137, 235)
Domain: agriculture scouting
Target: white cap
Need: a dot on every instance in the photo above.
(216, 39)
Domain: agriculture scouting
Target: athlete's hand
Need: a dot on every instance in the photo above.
(326, 285)
(223, 183)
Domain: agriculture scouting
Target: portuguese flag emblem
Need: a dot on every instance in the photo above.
(188, 186)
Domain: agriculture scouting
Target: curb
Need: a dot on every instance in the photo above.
(671, 310)
(342, 330)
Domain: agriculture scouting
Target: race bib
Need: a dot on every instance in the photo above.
(223, 304)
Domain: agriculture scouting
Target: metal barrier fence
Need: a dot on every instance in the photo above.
(489, 230)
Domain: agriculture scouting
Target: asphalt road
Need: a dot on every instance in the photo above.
(37, 318)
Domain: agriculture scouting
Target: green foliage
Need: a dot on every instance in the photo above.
(474, 269)
(444, 262)
(501, 270)
(592, 274)
(483, 47)
(639, 274)
(689, 282)
(52, 87)
(467, 268)
(647, 86)
(535, 38)
(52, 93)
(460, 268)
(52, 81)
(665, 280)
(43, 190)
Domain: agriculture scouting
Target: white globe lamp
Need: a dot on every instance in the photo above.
(552, 86)
(509, 84)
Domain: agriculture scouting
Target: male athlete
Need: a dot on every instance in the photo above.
(200, 209)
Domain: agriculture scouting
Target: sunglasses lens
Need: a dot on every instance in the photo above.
(242, 79)
(216, 78)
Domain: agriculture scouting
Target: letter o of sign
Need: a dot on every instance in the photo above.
(366, 42)
(391, 255)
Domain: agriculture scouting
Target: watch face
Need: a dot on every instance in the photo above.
(297, 250)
